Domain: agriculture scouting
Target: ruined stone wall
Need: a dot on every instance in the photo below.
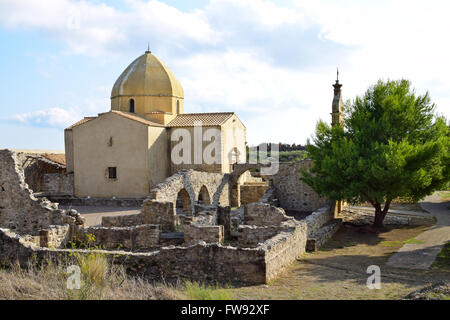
(293, 193)
(35, 166)
(20, 210)
(55, 236)
(198, 262)
(56, 184)
(264, 214)
(122, 221)
(252, 192)
(159, 212)
(318, 218)
(192, 181)
(285, 247)
(209, 234)
(140, 237)
(251, 236)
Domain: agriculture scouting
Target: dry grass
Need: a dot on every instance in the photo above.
(99, 280)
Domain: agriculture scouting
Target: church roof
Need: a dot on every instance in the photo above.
(147, 76)
(128, 115)
(207, 119)
(135, 117)
(84, 120)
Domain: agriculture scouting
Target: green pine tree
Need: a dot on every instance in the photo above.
(392, 145)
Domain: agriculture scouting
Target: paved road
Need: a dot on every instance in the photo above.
(94, 214)
(421, 256)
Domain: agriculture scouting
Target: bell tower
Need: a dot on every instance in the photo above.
(337, 114)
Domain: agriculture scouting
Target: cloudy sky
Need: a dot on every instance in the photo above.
(271, 62)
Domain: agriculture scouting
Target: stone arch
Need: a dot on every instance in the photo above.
(183, 202)
(236, 183)
(203, 196)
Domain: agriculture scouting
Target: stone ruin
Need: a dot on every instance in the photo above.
(185, 229)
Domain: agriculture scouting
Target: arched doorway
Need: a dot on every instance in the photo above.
(203, 196)
(183, 204)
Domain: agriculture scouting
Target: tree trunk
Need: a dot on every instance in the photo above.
(378, 223)
(380, 214)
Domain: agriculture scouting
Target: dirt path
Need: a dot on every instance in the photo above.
(339, 269)
(421, 255)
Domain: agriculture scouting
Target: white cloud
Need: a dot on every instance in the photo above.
(273, 65)
(52, 117)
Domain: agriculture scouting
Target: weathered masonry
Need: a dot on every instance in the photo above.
(186, 228)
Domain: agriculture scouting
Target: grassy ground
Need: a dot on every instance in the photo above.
(50, 283)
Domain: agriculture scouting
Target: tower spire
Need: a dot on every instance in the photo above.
(337, 115)
(148, 47)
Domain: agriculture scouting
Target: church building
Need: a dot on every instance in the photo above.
(126, 151)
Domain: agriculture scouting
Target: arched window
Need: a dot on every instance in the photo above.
(131, 105)
(178, 106)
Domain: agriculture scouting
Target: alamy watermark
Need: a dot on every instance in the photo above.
(374, 280)
(74, 280)
(203, 145)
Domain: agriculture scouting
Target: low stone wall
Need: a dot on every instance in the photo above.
(54, 236)
(263, 214)
(361, 217)
(285, 247)
(318, 238)
(159, 212)
(199, 262)
(252, 192)
(140, 237)
(56, 184)
(209, 234)
(251, 236)
(104, 202)
(318, 218)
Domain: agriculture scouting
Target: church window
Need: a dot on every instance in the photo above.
(112, 172)
(178, 106)
(132, 105)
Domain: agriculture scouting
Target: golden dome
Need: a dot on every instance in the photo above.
(147, 76)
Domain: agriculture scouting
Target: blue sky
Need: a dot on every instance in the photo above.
(272, 62)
